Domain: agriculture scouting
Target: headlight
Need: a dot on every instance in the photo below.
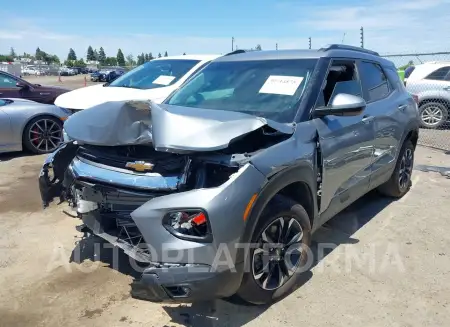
(66, 137)
(190, 225)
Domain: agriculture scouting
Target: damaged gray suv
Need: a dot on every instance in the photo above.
(218, 190)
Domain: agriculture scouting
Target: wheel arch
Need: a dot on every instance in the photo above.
(426, 100)
(298, 183)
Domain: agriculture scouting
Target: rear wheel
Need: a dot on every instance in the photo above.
(400, 181)
(433, 115)
(280, 252)
(43, 134)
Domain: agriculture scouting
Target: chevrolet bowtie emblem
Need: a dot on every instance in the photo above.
(140, 166)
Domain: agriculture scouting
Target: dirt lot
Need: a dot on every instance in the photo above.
(49, 276)
(70, 82)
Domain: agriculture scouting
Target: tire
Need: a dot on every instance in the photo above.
(43, 128)
(255, 289)
(396, 187)
(433, 115)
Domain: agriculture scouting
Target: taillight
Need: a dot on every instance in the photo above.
(416, 98)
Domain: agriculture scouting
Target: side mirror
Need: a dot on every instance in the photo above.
(342, 105)
(22, 85)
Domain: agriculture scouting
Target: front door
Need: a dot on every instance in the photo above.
(8, 88)
(346, 144)
(6, 140)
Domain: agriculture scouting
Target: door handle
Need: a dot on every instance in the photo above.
(44, 93)
(402, 107)
(367, 119)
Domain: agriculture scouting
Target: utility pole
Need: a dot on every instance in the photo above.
(310, 42)
(276, 46)
(232, 44)
(362, 37)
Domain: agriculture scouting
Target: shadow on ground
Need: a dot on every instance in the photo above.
(13, 155)
(232, 311)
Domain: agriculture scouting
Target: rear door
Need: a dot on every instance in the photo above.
(346, 144)
(386, 102)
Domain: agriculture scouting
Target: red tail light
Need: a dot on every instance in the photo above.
(416, 98)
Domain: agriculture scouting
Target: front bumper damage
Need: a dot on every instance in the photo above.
(127, 209)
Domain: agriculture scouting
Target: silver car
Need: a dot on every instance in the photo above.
(430, 82)
(218, 190)
(31, 125)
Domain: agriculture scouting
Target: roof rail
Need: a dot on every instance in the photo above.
(235, 52)
(348, 47)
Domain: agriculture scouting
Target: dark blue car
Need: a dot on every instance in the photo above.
(107, 75)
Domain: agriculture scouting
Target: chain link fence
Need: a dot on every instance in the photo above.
(427, 75)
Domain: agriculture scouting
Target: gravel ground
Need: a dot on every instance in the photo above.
(50, 276)
(70, 82)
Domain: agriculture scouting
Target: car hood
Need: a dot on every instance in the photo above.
(168, 128)
(90, 96)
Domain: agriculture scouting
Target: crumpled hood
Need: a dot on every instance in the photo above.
(87, 97)
(169, 128)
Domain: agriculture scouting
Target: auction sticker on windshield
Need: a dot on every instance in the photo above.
(164, 80)
(284, 85)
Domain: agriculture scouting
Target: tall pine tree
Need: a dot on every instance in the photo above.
(101, 55)
(90, 56)
(120, 58)
(71, 55)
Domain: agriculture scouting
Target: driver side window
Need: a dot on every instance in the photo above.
(342, 77)
(6, 81)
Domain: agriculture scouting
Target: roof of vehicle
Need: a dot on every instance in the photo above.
(190, 57)
(334, 51)
(423, 70)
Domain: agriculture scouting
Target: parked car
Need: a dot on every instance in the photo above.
(153, 80)
(15, 87)
(31, 125)
(219, 188)
(431, 83)
(95, 76)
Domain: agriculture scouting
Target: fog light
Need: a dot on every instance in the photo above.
(190, 224)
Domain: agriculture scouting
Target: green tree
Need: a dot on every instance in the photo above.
(130, 60)
(258, 47)
(38, 54)
(54, 59)
(95, 54)
(141, 59)
(184, 53)
(79, 63)
(12, 52)
(159, 55)
(6, 58)
(90, 56)
(150, 56)
(146, 57)
(110, 61)
(69, 63)
(165, 54)
(120, 58)
(101, 56)
(71, 55)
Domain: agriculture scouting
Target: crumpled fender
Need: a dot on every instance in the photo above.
(58, 161)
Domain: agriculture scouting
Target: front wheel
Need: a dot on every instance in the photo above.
(279, 254)
(433, 115)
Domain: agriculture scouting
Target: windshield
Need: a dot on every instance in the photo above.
(155, 73)
(269, 88)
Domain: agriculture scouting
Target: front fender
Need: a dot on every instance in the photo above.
(301, 172)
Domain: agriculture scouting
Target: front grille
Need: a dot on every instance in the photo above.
(164, 163)
(112, 220)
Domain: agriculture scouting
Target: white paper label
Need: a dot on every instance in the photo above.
(285, 85)
(164, 80)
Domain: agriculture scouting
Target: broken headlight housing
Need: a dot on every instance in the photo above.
(189, 224)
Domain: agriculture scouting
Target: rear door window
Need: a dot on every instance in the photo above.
(374, 81)
(439, 74)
